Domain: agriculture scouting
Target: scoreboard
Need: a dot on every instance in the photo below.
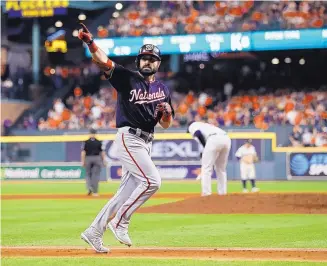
(218, 42)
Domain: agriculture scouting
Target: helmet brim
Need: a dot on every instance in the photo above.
(148, 53)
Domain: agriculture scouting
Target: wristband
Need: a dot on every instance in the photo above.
(93, 47)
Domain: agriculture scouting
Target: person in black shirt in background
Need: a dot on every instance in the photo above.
(296, 136)
(93, 158)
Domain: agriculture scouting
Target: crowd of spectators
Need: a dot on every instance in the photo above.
(82, 111)
(275, 15)
(14, 86)
(176, 17)
(308, 110)
(308, 136)
(141, 18)
(61, 74)
(16, 73)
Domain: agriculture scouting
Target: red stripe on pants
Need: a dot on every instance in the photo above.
(147, 180)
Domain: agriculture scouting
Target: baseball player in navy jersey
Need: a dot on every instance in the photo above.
(216, 146)
(142, 103)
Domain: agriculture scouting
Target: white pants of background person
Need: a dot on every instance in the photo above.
(247, 171)
(215, 156)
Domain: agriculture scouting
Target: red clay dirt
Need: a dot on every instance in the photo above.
(260, 203)
(256, 203)
(185, 253)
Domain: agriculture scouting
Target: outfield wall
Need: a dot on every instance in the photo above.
(177, 155)
(282, 132)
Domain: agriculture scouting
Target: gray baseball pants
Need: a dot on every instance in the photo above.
(140, 180)
(93, 167)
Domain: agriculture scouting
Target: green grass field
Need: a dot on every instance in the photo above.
(59, 222)
(77, 187)
(142, 262)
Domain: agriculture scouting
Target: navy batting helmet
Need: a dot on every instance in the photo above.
(147, 49)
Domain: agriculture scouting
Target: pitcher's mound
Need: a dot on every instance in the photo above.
(247, 203)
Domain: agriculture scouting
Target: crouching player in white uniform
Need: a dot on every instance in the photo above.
(216, 144)
(247, 156)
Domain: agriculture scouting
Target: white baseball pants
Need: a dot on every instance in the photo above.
(247, 171)
(215, 155)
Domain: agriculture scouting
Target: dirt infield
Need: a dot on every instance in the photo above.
(259, 203)
(165, 252)
(254, 203)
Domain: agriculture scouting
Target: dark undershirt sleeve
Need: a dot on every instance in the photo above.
(201, 138)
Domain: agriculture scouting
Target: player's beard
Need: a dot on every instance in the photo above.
(148, 71)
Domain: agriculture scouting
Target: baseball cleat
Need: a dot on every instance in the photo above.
(94, 240)
(255, 189)
(245, 190)
(121, 235)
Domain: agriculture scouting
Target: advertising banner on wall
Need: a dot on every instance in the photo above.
(167, 172)
(164, 150)
(310, 166)
(34, 9)
(42, 172)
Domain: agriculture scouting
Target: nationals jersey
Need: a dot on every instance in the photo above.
(137, 98)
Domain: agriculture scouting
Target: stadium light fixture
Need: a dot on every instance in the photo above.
(75, 33)
(275, 61)
(119, 6)
(82, 16)
(302, 61)
(115, 14)
(59, 24)
(288, 60)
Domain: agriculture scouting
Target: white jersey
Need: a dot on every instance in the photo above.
(243, 151)
(247, 154)
(205, 129)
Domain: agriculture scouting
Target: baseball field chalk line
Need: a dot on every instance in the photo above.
(253, 254)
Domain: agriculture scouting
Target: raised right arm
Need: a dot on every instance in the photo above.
(99, 57)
